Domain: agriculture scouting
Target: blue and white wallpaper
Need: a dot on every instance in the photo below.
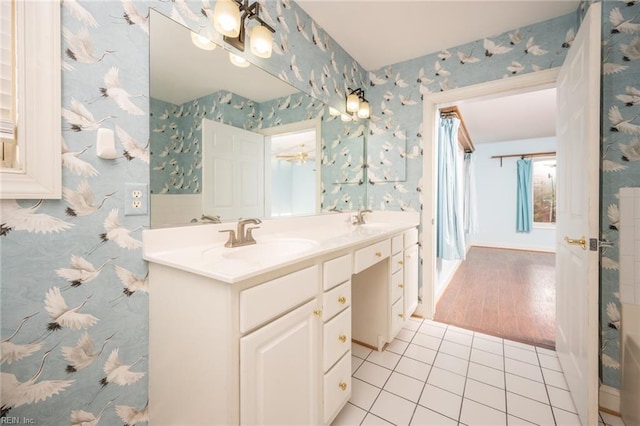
(620, 165)
(74, 307)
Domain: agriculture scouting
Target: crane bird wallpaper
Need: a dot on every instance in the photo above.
(74, 286)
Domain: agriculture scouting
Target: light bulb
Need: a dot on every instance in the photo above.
(202, 42)
(261, 41)
(353, 103)
(363, 111)
(238, 61)
(334, 112)
(226, 18)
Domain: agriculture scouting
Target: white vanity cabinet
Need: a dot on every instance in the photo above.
(411, 262)
(336, 341)
(279, 360)
(270, 343)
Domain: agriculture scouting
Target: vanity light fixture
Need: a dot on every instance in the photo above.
(202, 42)
(357, 104)
(229, 18)
(238, 61)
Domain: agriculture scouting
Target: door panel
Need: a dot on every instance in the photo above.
(578, 134)
(233, 172)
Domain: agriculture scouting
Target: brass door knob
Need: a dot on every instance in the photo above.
(582, 242)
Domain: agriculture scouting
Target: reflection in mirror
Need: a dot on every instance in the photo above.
(230, 142)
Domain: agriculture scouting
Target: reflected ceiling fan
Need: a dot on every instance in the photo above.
(299, 157)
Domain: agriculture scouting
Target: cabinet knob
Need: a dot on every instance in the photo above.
(343, 385)
(400, 262)
(342, 338)
(378, 254)
(400, 316)
(342, 300)
(401, 285)
(317, 312)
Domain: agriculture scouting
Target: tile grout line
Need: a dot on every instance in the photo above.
(546, 390)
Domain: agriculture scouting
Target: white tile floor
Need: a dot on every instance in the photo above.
(434, 374)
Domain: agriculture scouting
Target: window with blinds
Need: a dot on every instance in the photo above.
(7, 84)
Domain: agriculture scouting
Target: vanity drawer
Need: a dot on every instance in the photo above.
(410, 237)
(369, 256)
(337, 388)
(336, 271)
(397, 243)
(397, 317)
(397, 285)
(397, 260)
(266, 301)
(336, 338)
(335, 300)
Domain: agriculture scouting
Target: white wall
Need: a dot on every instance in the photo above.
(496, 194)
(293, 188)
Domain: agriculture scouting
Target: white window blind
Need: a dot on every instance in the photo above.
(7, 80)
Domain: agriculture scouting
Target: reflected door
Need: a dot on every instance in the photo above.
(233, 172)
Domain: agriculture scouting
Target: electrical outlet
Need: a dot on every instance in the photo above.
(136, 199)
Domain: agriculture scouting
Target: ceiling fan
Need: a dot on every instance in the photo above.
(298, 157)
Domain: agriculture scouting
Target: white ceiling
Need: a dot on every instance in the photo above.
(377, 33)
(509, 118)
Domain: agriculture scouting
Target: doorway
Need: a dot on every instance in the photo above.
(505, 284)
(292, 169)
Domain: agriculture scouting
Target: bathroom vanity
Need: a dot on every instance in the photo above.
(261, 334)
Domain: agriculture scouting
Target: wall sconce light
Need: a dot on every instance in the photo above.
(229, 19)
(357, 104)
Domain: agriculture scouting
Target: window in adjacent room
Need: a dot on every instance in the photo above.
(544, 191)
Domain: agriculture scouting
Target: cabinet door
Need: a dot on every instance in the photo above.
(410, 280)
(279, 371)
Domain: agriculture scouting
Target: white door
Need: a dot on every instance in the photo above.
(279, 371)
(578, 133)
(232, 171)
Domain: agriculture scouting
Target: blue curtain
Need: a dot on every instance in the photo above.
(524, 209)
(450, 232)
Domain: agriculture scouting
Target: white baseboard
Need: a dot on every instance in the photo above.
(509, 247)
(609, 398)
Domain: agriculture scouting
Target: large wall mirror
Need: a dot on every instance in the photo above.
(229, 142)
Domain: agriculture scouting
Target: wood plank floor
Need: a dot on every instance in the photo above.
(504, 293)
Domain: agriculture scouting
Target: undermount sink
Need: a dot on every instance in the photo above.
(376, 225)
(264, 250)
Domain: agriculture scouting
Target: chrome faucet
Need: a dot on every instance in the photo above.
(359, 218)
(212, 219)
(242, 236)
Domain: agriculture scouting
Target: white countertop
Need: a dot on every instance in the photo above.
(280, 242)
